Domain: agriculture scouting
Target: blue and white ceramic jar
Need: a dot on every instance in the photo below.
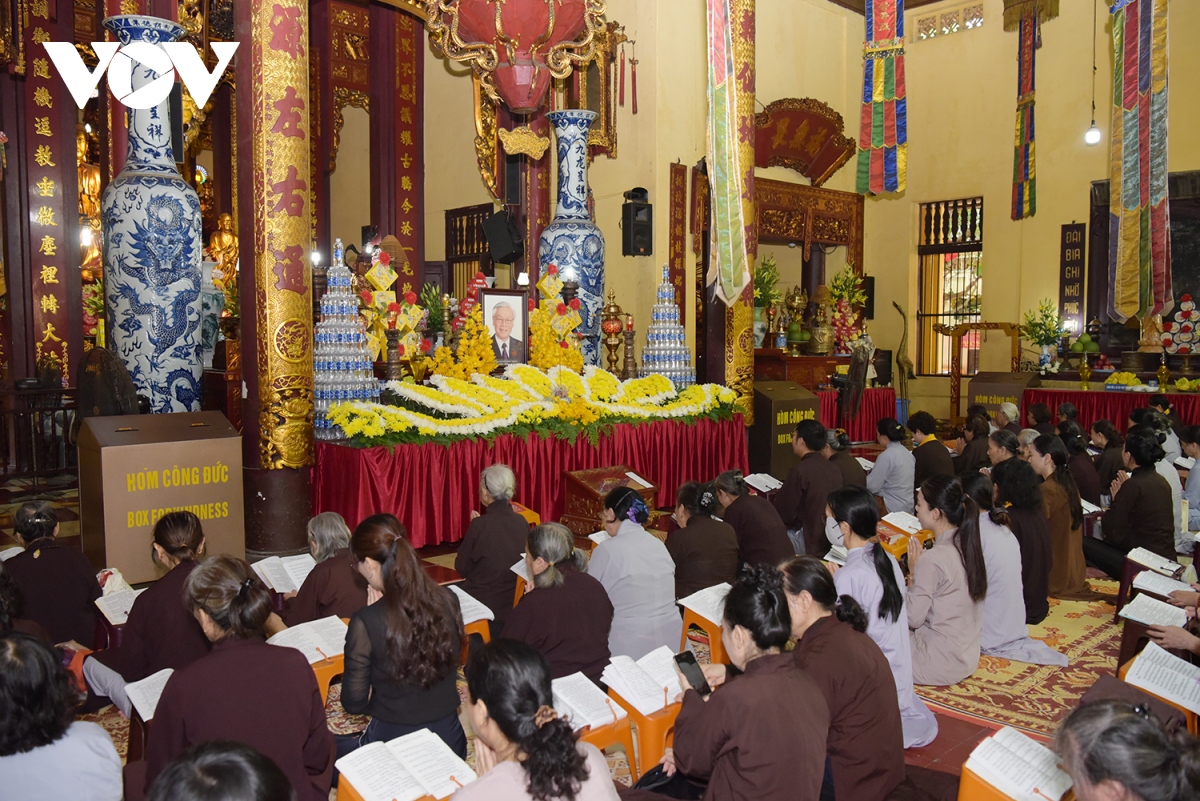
(151, 223)
(572, 241)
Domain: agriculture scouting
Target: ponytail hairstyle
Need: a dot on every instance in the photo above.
(837, 439)
(627, 505)
(35, 520)
(890, 427)
(857, 508)
(980, 487)
(180, 535)
(757, 603)
(731, 482)
(809, 574)
(554, 543)
(513, 680)
(945, 493)
(424, 626)
(1017, 485)
(699, 499)
(1109, 431)
(230, 593)
(1142, 443)
(1003, 438)
(1115, 741)
(1052, 446)
(1072, 437)
(1161, 403)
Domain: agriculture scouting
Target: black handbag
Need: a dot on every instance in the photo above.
(657, 781)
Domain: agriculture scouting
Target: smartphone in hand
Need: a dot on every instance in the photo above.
(691, 671)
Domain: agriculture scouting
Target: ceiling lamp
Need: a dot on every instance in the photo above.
(1092, 136)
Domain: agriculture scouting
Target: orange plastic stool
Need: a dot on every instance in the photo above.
(520, 591)
(619, 732)
(716, 649)
(531, 517)
(479, 627)
(1190, 717)
(326, 671)
(346, 792)
(654, 732)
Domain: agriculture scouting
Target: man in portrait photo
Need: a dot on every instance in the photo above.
(507, 347)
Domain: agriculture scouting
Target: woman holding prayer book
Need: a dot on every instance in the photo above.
(837, 451)
(972, 446)
(892, 476)
(705, 551)
(523, 751)
(567, 616)
(637, 572)
(262, 695)
(1111, 444)
(1017, 488)
(762, 734)
(866, 736)
(761, 534)
(1140, 514)
(1062, 506)
(1082, 468)
(949, 583)
(160, 633)
(1117, 751)
(333, 587)
(873, 578)
(1004, 631)
(402, 652)
(492, 544)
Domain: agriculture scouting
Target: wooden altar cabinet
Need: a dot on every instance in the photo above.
(810, 372)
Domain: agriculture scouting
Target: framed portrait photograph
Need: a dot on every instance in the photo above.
(505, 313)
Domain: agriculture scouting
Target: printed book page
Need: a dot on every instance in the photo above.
(838, 555)
(317, 639)
(1153, 561)
(708, 603)
(1158, 584)
(659, 664)
(274, 574)
(763, 482)
(630, 681)
(1153, 612)
(378, 775)
(1019, 767)
(9, 553)
(521, 569)
(1089, 508)
(867, 464)
(1186, 462)
(472, 608)
(144, 694)
(298, 567)
(116, 606)
(908, 523)
(1160, 672)
(599, 537)
(430, 760)
(635, 477)
(579, 700)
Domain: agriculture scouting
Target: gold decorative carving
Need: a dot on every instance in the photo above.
(524, 141)
(12, 35)
(814, 106)
(956, 333)
(487, 147)
(797, 213)
(414, 7)
(191, 17)
(739, 315)
(343, 97)
(598, 70)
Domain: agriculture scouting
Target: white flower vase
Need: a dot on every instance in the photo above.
(1045, 360)
(151, 222)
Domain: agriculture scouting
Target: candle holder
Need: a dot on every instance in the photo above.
(630, 368)
(611, 327)
(393, 370)
(1085, 372)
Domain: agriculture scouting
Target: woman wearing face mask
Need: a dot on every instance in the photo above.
(949, 583)
(639, 576)
(873, 578)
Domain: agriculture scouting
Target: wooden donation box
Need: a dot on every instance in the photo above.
(134, 469)
(993, 389)
(778, 406)
(586, 490)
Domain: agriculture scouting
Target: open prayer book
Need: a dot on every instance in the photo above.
(9, 553)
(1089, 508)
(1153, 612)
(285, 574)
(1186, 462)
(908, 523)
(578, 700)
(404, 769)
(650, 683)
(1149, 581)
(763, 482)
(1153, 561)
(1161, 673)
(867, 464)
(838, 555)
(472, 608)
(708, 603)
(522, 569)
(599, 537)
(144, 694)
(317, 639)
(1019, 767)
(116, 605)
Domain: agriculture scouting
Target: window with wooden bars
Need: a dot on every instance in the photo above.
(951, 282)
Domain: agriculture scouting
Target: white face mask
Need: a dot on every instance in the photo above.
(833, 532)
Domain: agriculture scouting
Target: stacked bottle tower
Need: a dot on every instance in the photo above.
(666, 352)
(341, 362)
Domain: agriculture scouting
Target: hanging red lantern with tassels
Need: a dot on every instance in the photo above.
(516, 46)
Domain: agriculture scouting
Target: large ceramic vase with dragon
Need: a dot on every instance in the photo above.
(151, 220)
(572, 241)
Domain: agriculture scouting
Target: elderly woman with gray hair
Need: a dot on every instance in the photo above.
(1008, 417)
(333, 587)
(494, 540)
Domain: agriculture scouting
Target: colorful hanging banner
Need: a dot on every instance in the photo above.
(677, 235)
(883, 132)
(731, 179)
(1139, 249)
(1024, 193)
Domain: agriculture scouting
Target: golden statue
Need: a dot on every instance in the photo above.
(1152, 329)
(223, 249)
(822, 343)
(89, 179)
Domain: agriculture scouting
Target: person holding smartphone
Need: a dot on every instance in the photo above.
(761, 735)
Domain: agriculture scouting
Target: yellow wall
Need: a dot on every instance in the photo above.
(350, 194)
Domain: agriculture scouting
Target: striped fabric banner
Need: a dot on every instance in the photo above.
(1024, 196)
(883, 131)
(1139, 250)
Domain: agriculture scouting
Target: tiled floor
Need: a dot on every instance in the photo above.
(955, 741)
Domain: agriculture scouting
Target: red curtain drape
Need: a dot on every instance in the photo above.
(433, 488)
(877, 403)
(1113, 406)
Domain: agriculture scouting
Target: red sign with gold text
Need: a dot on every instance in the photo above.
(804, 135)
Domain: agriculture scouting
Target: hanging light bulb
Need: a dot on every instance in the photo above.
(1092, 136)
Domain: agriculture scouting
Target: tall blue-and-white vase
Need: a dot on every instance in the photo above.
(151, 223)
(572, 241)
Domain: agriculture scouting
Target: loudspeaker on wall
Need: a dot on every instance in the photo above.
(504, 240)
(637, 229)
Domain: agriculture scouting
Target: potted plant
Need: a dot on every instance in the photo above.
(1045, 327)
(766, 295)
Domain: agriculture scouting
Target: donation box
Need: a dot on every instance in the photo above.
(585, 490)
(993, 389)
(134, 469)
(778, 406)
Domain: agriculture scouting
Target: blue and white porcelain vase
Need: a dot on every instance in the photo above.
(572, 241)
(151, 223)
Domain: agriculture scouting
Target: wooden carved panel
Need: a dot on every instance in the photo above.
(348, 55)
(804, 135)
(807, 214)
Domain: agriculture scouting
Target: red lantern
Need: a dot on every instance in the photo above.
(516, 46)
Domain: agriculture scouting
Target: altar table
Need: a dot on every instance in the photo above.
(1096, 405)
(877, 403)
(432, 488)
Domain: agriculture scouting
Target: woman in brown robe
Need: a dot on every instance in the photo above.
(761, 534)
(1019, 491)
(1083, 469)
(705, 551)
(265, 696)
(1110, 461)
(972, 446)
(1060, 498)
(837, 451)
(493, 542)
(333, 587)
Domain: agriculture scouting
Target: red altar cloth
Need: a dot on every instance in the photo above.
(1113, 406)
(876, 403)
(433, 488)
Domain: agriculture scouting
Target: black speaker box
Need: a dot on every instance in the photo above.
(504, 241)
(512, 180)
(637, 229)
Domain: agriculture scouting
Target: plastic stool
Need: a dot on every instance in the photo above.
(531, 517)
(326, 671)
(519, 591)
(619, 732)
(716, 649)
(1190, 717)
(655, 732)
(346, 791)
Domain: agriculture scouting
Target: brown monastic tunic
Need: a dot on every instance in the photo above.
(705, 553)
(801, 501)
(493, 542)
(761, 534)
(333, 587)
(58, 590)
